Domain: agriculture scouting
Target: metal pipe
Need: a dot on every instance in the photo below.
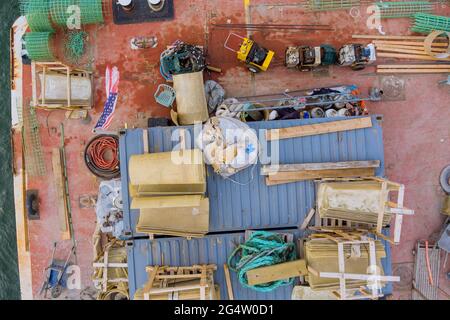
(291, 98)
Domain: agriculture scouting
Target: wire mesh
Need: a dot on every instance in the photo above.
(91, 11)
(37, 14)
(403, 8)
(38, 45)
(42, 14)
(425, 23)
(331, 5)
(34, 156)
(60, 11)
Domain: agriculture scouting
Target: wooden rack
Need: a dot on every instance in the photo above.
(353, 238)
(180, 283)
(47, 69)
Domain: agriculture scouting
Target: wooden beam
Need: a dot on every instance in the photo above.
(410, 43)
(413, 66)
(307, 219)
(409, 47)
(60, 194)
(399, 217)
(277, 272)
(382, 203)
(267, 169)
(145, 140)
(363, 36)
(413, 70)
(408, 56)
(401, 50)
(228, 281)
(289, 177)
(319, 128)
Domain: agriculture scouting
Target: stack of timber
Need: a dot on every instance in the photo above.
(411, 48)
(322, 254)
(168, 188)
(288, 173)
(179, 283)
(355, 201)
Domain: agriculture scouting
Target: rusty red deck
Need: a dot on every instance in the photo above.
(416, 130)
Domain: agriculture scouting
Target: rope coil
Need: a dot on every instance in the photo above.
(262, 249)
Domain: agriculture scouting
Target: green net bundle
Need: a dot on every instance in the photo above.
(38, 45)
(42, 14)
(37, 13)
(91, 11)
(59, 11)
(403, 8)
(425, 23)
(331, 5)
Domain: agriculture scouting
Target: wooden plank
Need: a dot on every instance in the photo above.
(409, 47)
(413, 70)
(319, 166)
(61, 206)
(320, 128)
(399, 50)
(307, 219)
(319, 174)
(145, 140)
(382, 204)
(228, 281)
(375, 36)
(410, 43)
(149, 285)
(409, 56)
(413, 66)
(277, 272)
(399, 217)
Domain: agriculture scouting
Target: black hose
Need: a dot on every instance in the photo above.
(90, 163)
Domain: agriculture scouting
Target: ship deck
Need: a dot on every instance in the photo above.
(416, 131)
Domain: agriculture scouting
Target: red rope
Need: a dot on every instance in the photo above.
(98, 150)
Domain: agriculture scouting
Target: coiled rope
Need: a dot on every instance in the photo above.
(262, 249)
(102, 156)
